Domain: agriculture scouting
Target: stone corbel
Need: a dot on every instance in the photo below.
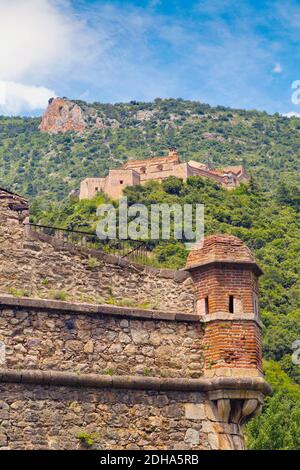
(223, 409)
(235, 406)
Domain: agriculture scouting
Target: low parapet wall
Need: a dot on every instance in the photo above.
(50, 335)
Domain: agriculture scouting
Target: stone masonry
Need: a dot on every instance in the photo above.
(50, 417)
(47, 336)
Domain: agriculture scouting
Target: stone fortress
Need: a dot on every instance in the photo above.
(183, 373)
(136, 172)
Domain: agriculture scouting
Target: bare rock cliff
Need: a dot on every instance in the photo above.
(62, 116)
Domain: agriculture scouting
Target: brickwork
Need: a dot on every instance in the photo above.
(218, 283)
(225, 275)
(232, 344)
(220, 248)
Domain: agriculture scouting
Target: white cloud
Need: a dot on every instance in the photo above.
(277, 68)
(120, 52)
(16, 98)
(291, 114)
(42, 42)
(33, 35)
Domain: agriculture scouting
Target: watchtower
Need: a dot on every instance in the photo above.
(225, 275)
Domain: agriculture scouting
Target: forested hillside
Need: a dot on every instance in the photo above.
(265, 214)
(49, 166)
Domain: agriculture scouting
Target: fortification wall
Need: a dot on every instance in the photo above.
(159, 168)
(90, 186)
(180, 171)
(118, 180)
(42, 266)
(135, 376)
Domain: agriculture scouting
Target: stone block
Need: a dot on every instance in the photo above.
(211, 411)
(3, 439)
(213, 441)
(124, 338)
(194, 411)
(89, 347)
(192, 436)
(140, 336)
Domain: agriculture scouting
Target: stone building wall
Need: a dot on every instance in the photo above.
(89, 187)
(119, 179)
(136, 172)
(52, 336)
(132, 377)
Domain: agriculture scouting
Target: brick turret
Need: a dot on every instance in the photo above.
(225, 275)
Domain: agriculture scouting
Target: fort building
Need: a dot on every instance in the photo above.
(176, 368)
(137, 172)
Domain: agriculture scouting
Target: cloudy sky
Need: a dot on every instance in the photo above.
(238, 53)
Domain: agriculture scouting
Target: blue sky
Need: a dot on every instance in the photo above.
(243, 54)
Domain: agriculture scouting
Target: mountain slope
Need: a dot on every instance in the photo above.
(51, 165)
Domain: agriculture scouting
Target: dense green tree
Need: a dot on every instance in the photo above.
(278, 427)
(172, 185)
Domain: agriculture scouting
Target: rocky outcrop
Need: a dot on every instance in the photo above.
(62, 116)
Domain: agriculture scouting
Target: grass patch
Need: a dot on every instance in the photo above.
(19, 292)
